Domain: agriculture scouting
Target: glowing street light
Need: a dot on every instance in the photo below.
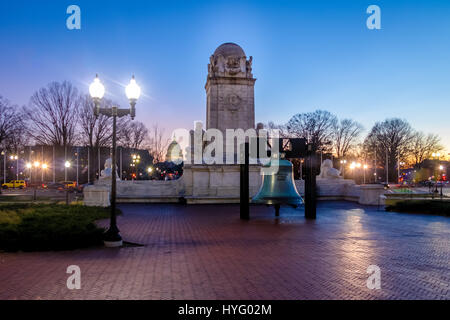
(36, 164)
(67, 165)
(29, 165)
(44, 167)
(16, 157)
(96, 89)
(435, 154)
(343, 162)
(133, 91)
(365, 168)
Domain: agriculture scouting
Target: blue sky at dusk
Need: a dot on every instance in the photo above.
(306, 55)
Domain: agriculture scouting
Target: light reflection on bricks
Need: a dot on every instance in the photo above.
(206, 252)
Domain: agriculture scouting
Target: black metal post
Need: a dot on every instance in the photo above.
(310, 184)
(112, 235)
(277, 210)
(244, 184)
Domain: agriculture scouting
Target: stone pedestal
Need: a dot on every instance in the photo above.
(97, 196)
(217, 183)
(372, 194)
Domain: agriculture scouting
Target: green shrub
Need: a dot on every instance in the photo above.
(31, 227)
(422, 206)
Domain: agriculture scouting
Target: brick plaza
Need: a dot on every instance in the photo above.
(206, 252)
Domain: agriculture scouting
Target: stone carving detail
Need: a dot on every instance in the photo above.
(233, 101)
(230, 61)
(106, 173)
(233, 66)
(328, 172)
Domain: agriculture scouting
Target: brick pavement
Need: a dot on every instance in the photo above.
(206, 252)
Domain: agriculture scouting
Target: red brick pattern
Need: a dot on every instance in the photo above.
(206, 252)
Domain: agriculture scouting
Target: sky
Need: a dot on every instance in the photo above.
(307, 55)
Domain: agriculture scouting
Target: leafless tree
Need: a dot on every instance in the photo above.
(346, 136)
(282, 130)
(11, 123)
(317, 127)
(53, 114)
(422, 146)
(133, 134)
(157, 144)
(392, 137)
(94, 131)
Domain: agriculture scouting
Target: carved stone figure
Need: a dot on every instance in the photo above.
(106, 173)
(249, 66)
(328, 172)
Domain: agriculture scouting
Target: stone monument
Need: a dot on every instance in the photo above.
(230, 97)
(99, 193)
(328, 172)
(230, 104)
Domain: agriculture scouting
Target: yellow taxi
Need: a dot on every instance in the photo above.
(69, 184)
(14, 184)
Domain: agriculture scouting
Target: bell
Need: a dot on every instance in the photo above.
(278, 188)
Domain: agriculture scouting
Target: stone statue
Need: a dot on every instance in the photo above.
(249, 66)
(328, 172)
(106, 173)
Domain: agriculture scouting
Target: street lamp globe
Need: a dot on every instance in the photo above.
(441, 167)
(150, 169)
(36, 164)
(132, 90)
(44, 166)
(67, 164)
(29, 165)
(96, 89)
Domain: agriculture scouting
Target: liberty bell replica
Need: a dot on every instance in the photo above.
(278, 187)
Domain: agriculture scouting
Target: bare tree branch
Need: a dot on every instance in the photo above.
(346, 135)
(53, 114)
(316, 127)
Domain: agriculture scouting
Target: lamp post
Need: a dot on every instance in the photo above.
(29, 166)
(365, 168)
(441, 168)
(44, 168)
(435, 156)
(16, 157)
(343, 162)
(77, 164)
(4, 166)
(67, 165)
(133, 91)
(135, 162)
(352, 168)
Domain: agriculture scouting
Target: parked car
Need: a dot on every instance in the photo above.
(55, 186)
(14, 184)
(71, 185)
